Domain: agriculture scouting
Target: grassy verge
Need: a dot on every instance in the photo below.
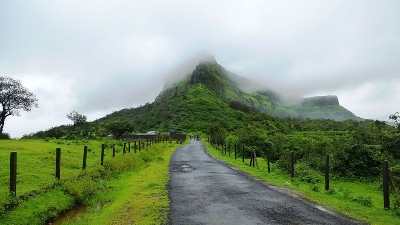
(41, 196)
(136, 197)
(359, 200)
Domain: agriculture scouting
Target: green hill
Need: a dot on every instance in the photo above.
(226, 87)
(210, 94)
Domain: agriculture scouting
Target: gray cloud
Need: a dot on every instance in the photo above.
(104, 56)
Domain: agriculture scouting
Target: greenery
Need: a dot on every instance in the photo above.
(76, 186)
(361, 200)
(77, 118)
(210, 102)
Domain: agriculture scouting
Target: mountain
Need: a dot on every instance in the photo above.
(326, 107)
(231, 88)
(211, 95)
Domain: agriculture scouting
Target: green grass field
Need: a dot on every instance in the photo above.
(41, 196)
(357, 199)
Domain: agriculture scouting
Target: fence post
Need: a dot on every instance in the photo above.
(224, 148)
(291, 165)
(129, 146)
(58, 162)
(102, 153)
(385, 174)
(251, 158)
(327, 172)
(13, 173)
(84, 157)
(243, 153)
(124, 151)
(134, 146)
(113, 150)
(139, 145)
(268, 163)
(235, 150)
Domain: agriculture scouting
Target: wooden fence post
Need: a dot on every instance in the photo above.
(84, 157)
(327, 172)
(243, 153)
(129, 146)
(139, 145)
(255, 158)
(268, 163)
(13, 174)
(251, 158)
(385, 175)
(102, 154)
(225, 147)
(58, 162)
(291, 165)
(124, 151)
(134, 146)
(235, 150)
(113, 150)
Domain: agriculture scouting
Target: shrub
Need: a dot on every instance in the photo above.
(306, 174)
(5, 136)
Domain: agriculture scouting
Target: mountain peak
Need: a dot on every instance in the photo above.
(185, 69)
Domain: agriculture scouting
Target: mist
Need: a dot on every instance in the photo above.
(98, 57)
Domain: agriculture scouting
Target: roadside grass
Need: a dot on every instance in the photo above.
(136, 197)
(36, 182)
(361, 200)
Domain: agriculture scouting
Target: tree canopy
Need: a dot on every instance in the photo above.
(118, 128)
(13, 98)
(77, 118)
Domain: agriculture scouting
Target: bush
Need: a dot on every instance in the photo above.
(306, 174)
(5, 136)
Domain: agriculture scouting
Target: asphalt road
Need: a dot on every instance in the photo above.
(204, 190)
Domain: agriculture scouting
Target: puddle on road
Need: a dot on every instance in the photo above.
(187, 168)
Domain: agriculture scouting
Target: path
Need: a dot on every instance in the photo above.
(205, 191)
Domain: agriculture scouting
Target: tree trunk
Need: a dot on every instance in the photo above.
(2, 120)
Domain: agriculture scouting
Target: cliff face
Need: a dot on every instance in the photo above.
(323, 107)
(321, 100)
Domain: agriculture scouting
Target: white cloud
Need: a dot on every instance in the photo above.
(100, 56)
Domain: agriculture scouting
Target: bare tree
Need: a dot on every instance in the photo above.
(13, 98)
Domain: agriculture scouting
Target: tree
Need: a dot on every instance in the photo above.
(118, 128)
(217, 132)
(396, 118)
(77, 118)
(13, 98)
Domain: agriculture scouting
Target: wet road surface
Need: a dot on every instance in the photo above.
(206, 191)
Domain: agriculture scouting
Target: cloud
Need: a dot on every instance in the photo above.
(99, 56)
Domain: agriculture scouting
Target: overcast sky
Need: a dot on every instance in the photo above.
(96, 57)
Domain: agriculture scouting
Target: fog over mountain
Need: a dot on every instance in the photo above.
(96, 57)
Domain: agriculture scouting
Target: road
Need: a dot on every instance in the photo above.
(204, 190)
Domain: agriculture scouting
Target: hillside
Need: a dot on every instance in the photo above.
(211, 95)
(228, 87)
(323, 107)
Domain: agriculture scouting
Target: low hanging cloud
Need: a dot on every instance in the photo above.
(96, 57)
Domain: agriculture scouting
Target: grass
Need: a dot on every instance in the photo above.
(356, 199)
(136, 197)
(41, 196)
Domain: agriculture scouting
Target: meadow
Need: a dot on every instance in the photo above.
(40, 196)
